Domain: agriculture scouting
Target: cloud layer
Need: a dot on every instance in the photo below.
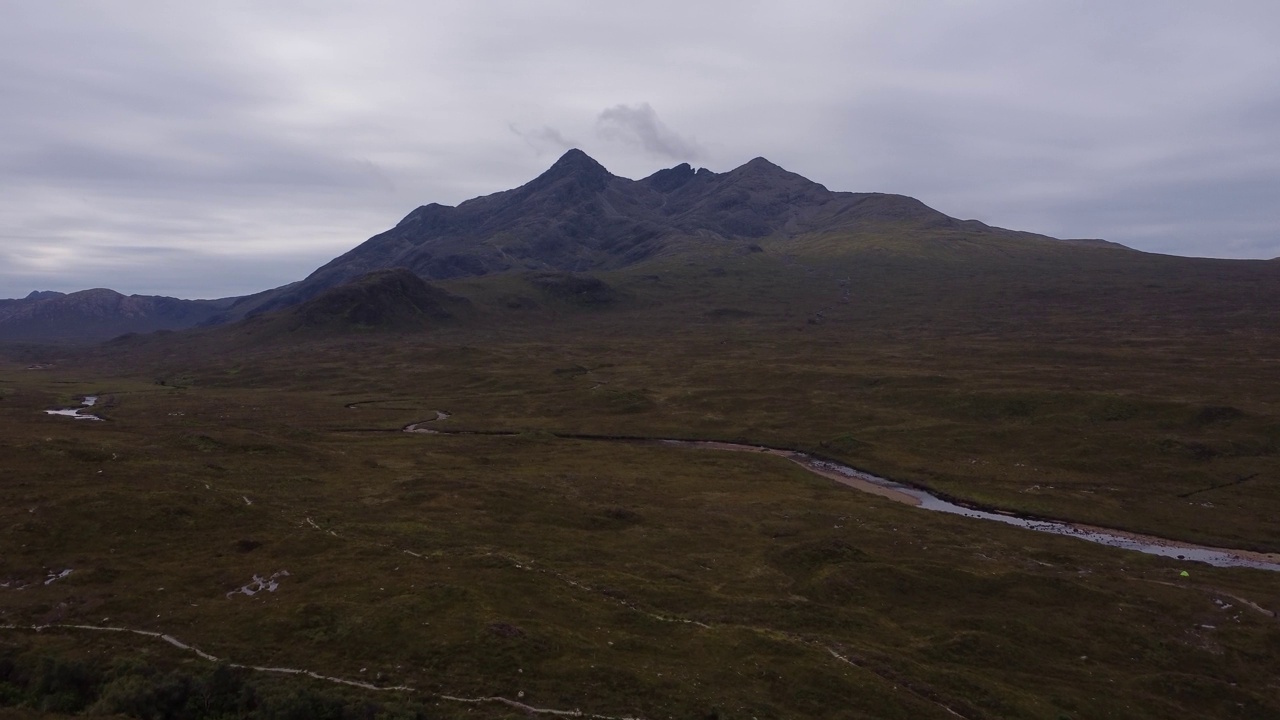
(211, 149)
(639, 125)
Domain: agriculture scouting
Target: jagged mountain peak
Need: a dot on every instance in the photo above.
(760, 163)
(761, 171)
(670, 179)
(760, 167)
(575, 166)
(575, 158)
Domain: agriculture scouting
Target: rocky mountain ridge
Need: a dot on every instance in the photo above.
(576, 217)
(579, 217)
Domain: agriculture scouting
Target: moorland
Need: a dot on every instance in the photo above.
(546, 568)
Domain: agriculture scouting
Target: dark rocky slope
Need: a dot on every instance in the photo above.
(579, 217)
(393, 299)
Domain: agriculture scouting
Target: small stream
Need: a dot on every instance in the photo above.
(925, 500)
(1219, 557)
(78, 413)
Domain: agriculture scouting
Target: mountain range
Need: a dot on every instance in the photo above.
(576, 217)
(99, 314)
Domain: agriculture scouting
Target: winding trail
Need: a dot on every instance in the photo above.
(830, 470)
(527, 565)
(836, 472)
(175, 642)
(881, 670)
(928, 500)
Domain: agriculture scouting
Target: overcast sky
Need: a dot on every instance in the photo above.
(221, 148)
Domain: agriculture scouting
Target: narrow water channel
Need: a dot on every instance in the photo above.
(925, 500)
(78, 413)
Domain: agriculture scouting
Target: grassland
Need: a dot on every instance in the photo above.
(1128, 391)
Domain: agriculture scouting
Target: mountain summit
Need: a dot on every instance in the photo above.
(577, 216)
(575, 165)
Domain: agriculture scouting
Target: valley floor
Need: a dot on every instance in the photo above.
(250, 496)
(621, 580)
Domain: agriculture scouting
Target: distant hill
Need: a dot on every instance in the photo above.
(99, 314)
(393, 299)
(44, 295)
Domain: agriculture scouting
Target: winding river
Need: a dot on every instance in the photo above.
(925, 500)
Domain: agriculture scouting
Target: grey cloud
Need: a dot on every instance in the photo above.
(544, 139)
(256, 142)
(639, 125)
(205, 161)
(184, 271)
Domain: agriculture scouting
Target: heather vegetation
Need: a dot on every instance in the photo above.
(632, 579)
(250, 532)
